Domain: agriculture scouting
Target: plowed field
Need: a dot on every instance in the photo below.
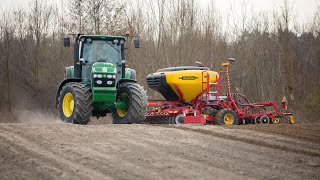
(65, 151)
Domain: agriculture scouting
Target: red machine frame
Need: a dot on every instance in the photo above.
(193, 112)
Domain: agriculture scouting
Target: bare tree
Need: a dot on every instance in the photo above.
(105, 16)
(77, 12)
(273, 59)
(7, 47)
(39, 25)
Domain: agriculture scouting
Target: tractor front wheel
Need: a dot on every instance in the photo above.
(226, 116)
(75, 103)
(134, 96)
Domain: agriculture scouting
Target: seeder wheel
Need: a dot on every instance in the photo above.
(292, 119)
(257, 120)
(265, 119)
(226, 116)
(178, 119)
(275, 120)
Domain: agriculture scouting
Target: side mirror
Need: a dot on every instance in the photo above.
(66, 42)
(136, 43)
(123, 67)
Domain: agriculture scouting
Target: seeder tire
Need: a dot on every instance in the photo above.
(227, 117)
(265, 120)
(292, 120)
(275, 120)
(179, 119)
(257, 120)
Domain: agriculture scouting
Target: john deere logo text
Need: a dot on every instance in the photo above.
(188, 78)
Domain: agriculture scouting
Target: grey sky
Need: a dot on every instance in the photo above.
(303, 9)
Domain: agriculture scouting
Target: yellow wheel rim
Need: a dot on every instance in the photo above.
(228, 119)
(122, 112)
(292, 120)
(68, 104)
(275, 120)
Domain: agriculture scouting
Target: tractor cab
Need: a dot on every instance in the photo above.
(94, 52)
(99, 49)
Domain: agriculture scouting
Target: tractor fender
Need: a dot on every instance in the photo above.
(125, 80)
(64, 82)
(69, 72)
(133, 75)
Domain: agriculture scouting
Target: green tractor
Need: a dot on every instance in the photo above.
(100, 82)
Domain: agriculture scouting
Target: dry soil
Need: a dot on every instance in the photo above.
(65, 151)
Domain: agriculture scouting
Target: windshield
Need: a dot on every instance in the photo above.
(101, 51)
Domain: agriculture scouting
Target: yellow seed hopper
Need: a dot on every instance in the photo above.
(185, 81)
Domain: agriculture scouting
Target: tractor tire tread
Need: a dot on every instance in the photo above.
(137, 105)
(83, 103)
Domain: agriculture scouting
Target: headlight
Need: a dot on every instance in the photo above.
(122, 41)
(109, 82)
(109, 76)
(116, 41)
(99, 82)
(98, 75)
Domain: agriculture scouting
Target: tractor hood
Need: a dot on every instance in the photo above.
(100, 67)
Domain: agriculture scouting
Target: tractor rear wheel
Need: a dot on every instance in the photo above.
(134, 96)
(226, 116)
(75, 103)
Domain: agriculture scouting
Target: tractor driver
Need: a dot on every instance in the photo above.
(100, 51)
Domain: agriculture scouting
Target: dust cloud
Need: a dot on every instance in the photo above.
(36, 117)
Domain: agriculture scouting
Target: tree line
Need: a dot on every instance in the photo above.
(276, 58)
